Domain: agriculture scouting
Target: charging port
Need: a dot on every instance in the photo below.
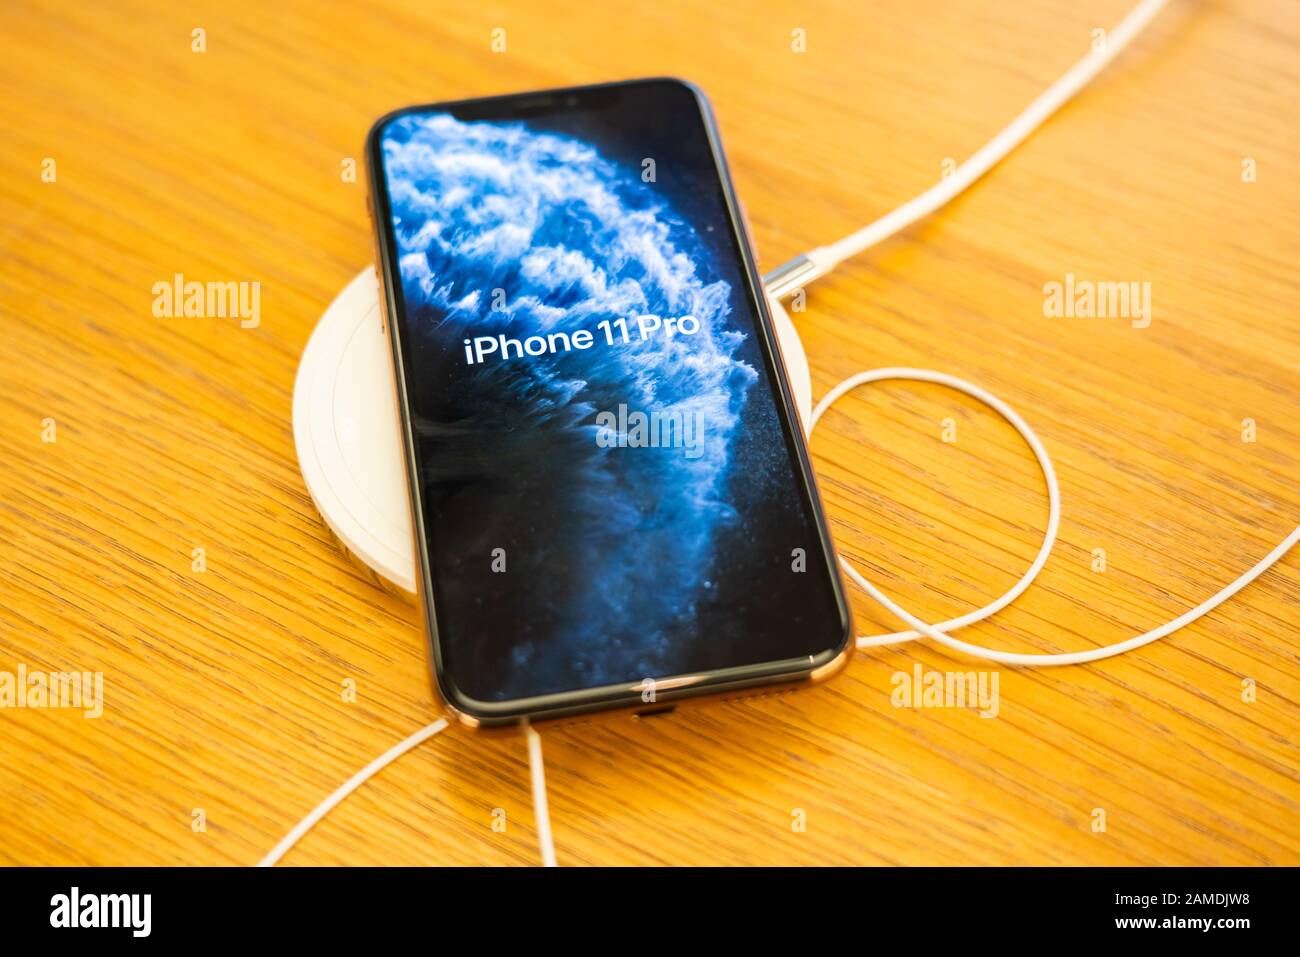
(655, 712)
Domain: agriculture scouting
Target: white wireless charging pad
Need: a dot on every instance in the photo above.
(345, 428)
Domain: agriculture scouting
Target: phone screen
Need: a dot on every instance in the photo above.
(611, 485)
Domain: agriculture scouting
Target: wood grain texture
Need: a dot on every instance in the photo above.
(223, 688)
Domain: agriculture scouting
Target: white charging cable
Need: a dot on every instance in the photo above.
(815, 263)
(537, 770)
(799, 272)
(541, 809)
(938, 632)
(350, 785)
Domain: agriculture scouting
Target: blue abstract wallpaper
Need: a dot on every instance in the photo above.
(570, 549)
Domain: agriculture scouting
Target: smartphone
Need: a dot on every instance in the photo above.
(612, 498)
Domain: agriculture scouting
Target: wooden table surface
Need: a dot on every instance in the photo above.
(225, 717)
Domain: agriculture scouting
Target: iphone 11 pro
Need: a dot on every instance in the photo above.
(611, 495)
